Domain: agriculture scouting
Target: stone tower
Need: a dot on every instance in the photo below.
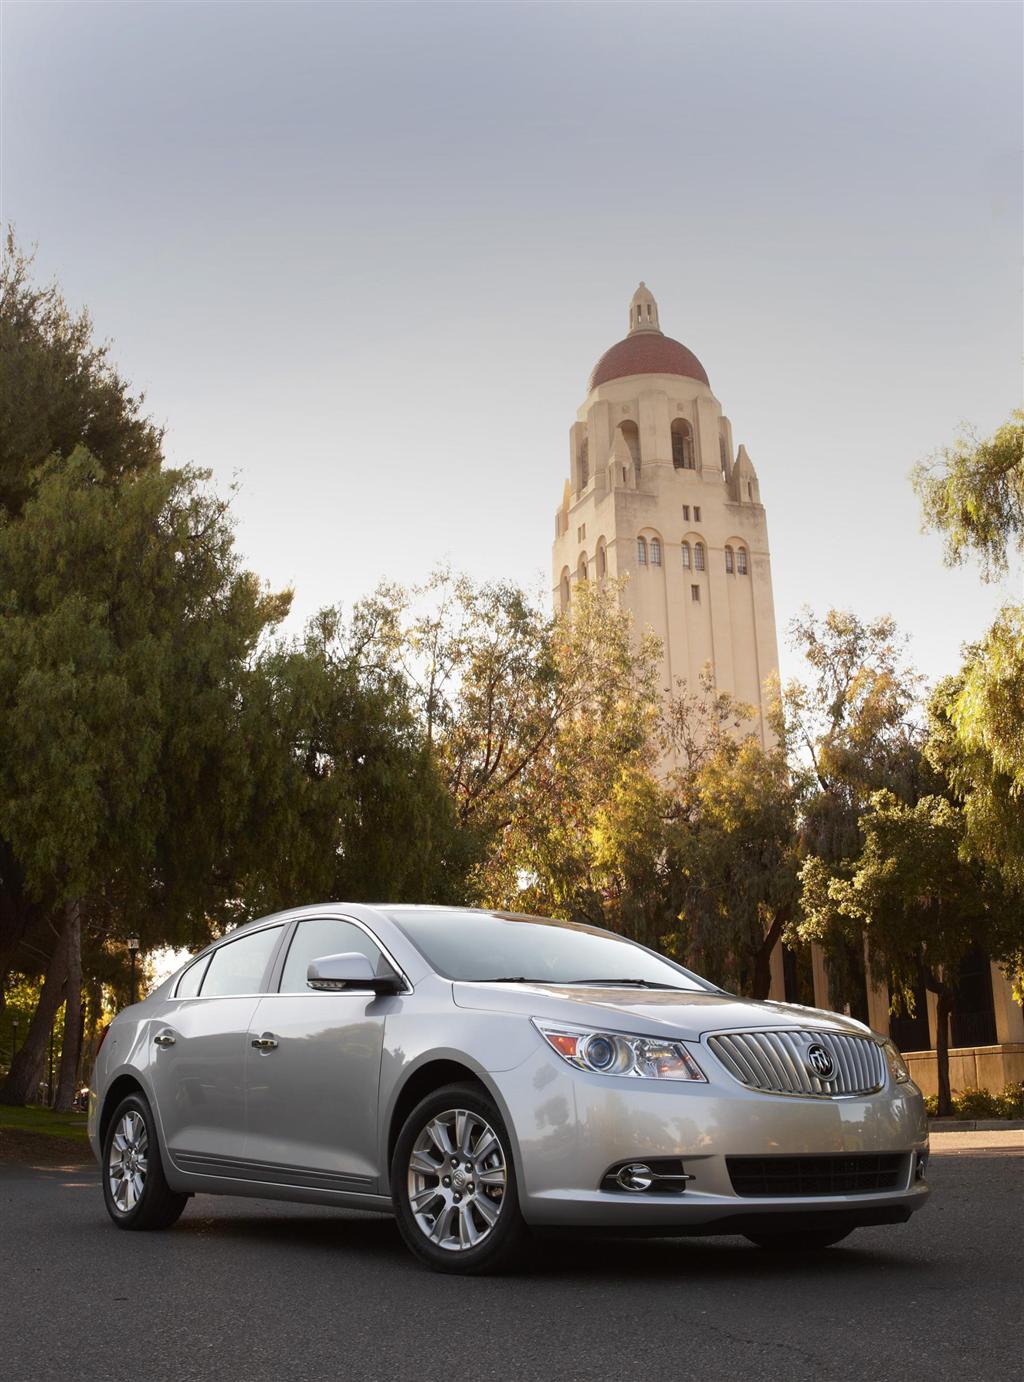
(657, 492)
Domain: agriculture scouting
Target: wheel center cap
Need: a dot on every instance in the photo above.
(459, 1178)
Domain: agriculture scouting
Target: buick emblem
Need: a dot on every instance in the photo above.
(819, 1062)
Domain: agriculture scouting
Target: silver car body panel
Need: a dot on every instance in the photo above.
(311, 1119)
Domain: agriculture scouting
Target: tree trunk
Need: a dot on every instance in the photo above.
(762, 981)
(944, 1007)
(27, 1065)
(67, 1082)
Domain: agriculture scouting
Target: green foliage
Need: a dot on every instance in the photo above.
(969, 1104)
(733, 850)
(854, 724)
(346, 800)
(591, 750)
(59, 390)
(127, 630)
(973, 492)
(912, 891)
(855, 729)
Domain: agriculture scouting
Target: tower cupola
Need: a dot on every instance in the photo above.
(643, 311)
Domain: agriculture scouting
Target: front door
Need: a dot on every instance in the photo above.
(313, 1070)
(197, 1057)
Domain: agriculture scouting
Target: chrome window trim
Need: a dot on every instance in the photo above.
(211, 950)
(272, 976)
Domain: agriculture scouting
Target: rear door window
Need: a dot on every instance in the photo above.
(239, 966)
(188, 984)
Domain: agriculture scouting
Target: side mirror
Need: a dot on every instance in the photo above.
(349, 972)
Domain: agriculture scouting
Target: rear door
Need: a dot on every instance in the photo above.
(312, 1080)
(197, 1065)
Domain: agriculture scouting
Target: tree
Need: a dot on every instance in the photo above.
(528, 719)
(734, 853)
(59, 389)
(591, 750)
(973, 744)
(920, 901)
(855, 728)
(127, 627)
(973, 493)
(346, 797)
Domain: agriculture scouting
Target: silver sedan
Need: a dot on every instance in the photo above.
(482, 1075)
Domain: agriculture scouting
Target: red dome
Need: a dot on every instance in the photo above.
(647, 352)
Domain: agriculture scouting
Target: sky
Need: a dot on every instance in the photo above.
(362, 259)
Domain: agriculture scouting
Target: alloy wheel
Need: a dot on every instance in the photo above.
(457, 1178)
(128, 1164)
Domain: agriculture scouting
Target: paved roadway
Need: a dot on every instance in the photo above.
(242, 1289)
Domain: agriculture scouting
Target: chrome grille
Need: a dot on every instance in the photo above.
(776, 1062)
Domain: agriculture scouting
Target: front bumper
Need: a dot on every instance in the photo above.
(570, 1127)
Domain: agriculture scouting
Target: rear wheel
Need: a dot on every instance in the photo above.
(454, 1185)
(810, 1240)
(135, 1191)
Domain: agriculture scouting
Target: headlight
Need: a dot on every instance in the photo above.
(612, 1053)
(897, 1065)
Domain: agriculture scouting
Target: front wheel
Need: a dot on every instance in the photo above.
(454, 1184)
(134, 1189)
(810, 1240)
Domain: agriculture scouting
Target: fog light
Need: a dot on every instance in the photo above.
(920, 1165)
(636, 1176)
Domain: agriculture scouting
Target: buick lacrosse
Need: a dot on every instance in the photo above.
(481, 1075)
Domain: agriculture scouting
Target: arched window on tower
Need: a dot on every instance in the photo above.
(730, 564)
(682, 445)
(698, 556)
(581, 569)
(584, 455)
(602, 561)
(686, 556)
(741, 561)
(631, 436)
(641, 551)
(565, 588)
(723, 453)
(655, 551)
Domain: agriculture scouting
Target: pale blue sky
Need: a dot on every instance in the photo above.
(364, 257)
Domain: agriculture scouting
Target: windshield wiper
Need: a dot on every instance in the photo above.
(635, 983)
(511, 979)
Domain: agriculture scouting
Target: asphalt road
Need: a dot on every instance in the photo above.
(242, 1289)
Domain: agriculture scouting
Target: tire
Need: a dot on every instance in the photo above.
(135, 1190)
(470, 1225)
(810, 1240)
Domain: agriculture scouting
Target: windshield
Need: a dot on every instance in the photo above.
(494, 946)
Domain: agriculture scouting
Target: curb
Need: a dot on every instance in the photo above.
(975, 1124)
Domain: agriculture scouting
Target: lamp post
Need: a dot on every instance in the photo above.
(133, 950)
(14, 1045)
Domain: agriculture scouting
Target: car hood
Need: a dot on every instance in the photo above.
(648, 1011)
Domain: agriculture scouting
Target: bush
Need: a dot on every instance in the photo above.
(1011, 1100)
(976, 1103)
(982, 1103)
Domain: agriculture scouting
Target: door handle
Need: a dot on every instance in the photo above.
(164, 1038)
(266, 1042)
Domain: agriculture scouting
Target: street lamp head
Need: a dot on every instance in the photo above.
(133, 942)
